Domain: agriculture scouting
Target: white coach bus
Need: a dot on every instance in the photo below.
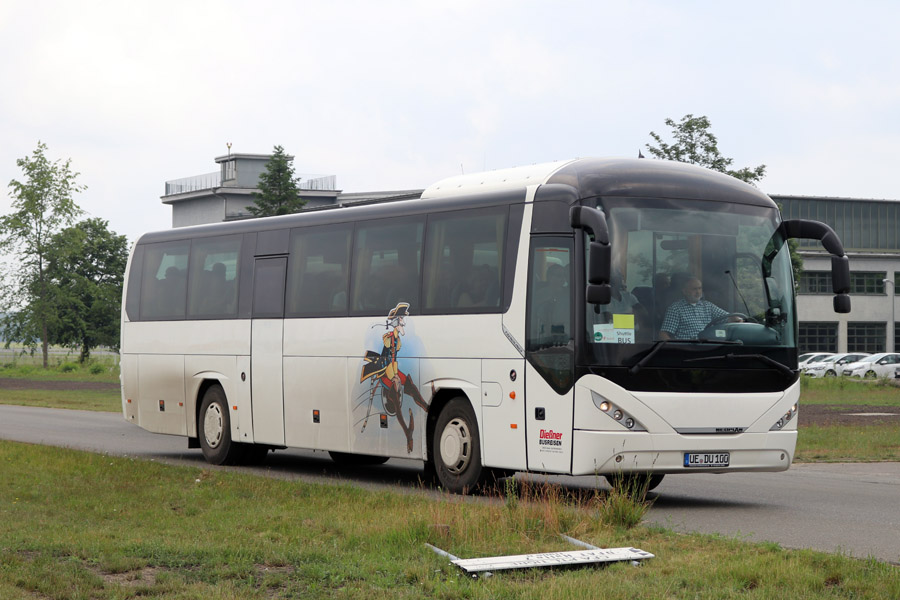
(518, 320)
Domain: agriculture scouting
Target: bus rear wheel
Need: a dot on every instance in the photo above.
(214, 429)
(456, 448)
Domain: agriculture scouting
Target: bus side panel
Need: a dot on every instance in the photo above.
(161, 398)
(503, 414)
(242, 399)
(130, 391)
(208, 337)
(379, 427)
(315, 403)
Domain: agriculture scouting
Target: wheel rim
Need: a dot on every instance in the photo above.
(870, 375)
(456, 446)
(213, 425)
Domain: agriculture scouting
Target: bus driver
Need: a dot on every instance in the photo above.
(687, 317)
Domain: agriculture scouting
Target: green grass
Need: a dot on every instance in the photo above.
(849, 390)
(85, 526)
(96, 400)
(99, 368)
(848, 443)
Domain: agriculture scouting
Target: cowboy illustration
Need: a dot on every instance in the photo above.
(383, 369)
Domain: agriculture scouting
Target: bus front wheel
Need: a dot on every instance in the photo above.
(456, 448)
(214, 427)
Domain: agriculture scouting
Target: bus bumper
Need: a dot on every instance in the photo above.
(601, 452)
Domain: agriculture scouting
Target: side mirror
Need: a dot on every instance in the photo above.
(842, 303)
(593, 221)
(600, 263)
(840, 274)
(598, 294)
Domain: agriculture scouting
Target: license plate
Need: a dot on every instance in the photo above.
(707, 459)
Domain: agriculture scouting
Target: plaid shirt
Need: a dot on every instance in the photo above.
(684, 320)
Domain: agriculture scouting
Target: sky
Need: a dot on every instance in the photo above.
(395, 95)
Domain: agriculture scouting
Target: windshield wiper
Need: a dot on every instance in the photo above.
(660, 343)
(761, 357)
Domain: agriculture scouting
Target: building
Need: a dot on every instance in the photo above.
(869, 230)
(224, 195)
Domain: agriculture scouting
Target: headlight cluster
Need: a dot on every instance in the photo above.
(785, 419)
(616, 413)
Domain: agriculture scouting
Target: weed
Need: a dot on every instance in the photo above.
(626, 504)
(511, 493)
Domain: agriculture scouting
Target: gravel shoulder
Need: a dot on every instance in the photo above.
(847, 414)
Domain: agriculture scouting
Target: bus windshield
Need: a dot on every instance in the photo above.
(689, 271)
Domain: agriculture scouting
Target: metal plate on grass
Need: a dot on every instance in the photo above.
(550, 559)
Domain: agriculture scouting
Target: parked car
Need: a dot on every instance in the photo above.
(883, 364)
(832, 365)
(809, 357)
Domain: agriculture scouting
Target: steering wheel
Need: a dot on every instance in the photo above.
(723, 318)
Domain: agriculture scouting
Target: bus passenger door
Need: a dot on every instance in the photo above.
(266, 351)
(550, 355)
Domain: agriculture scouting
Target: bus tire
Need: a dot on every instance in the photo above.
(456, 448)
(214, 429)
(357, 460)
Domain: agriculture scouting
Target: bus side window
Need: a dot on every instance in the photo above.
(213, 285)
(464, 260)
(387, 265)
(318, 274)
(164, 280)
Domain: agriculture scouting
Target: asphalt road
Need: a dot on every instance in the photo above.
(853, 509)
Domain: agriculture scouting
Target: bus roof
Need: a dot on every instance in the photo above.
(494, 181)
(591, 177)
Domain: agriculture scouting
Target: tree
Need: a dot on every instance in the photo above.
(42, 205)
(279, 190)
(86, 267)
(695, 144)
